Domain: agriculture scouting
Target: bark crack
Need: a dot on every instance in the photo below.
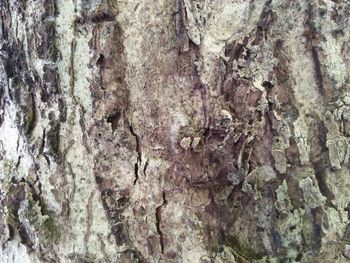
(83, 129)
(73, 177)
(313, 38)
(136, 173)
(71, 68)
(89, 219)
(318, 72)
(145, 167)
(43, 142)
(158, 222)
(138, 151)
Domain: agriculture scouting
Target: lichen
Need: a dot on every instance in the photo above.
(312, 195)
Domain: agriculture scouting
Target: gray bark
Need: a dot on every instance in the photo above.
(174, 131)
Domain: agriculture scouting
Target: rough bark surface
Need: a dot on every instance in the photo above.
(174, 131)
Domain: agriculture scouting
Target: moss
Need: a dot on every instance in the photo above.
(50, 229)
(12, 217)
(43, 220)
(241, 248)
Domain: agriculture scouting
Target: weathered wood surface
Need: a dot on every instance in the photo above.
(174, 131)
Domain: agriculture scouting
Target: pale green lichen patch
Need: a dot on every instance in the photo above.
(336, 143)
(312, 195)
(283, 203)
(9, 168)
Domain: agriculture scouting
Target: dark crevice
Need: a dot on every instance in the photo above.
(97, 18)
(42, 145)
(299, 257)
(145, 167)
(284, 82)
(47, 159)
(101, 60)
(113, 119)
(53, 140)
(139, 155)
(71, 68)
(83, 128)
(138, 145)
(25, 238)
(62, 109)
(267, 85)
(317, 233)
(101, 18)
(11, 232)
(30, 116)
(136, 173)
(320, 174)
(18, 162)
(320, 162)
(266, 19)
(347, 209)
(313, 38)
(158, 221)
(318, 72)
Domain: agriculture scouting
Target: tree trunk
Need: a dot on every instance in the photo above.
(174, 131)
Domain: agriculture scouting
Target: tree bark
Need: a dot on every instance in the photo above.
(174, 131)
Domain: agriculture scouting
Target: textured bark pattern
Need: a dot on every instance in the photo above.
(174, 131)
